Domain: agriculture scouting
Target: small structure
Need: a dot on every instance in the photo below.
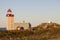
(23, 25)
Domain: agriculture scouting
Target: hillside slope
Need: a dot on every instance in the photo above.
(44, 31)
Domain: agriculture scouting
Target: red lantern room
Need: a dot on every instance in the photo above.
(9, 15)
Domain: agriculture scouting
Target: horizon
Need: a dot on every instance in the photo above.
(33, 11)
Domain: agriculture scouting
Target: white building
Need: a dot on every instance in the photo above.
(10, 25)
(22, 25)
(9, 20)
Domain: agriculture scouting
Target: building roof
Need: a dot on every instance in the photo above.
(9, 10)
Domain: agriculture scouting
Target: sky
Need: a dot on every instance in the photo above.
(33, 11)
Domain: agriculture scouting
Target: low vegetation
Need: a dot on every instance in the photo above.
(45, 31)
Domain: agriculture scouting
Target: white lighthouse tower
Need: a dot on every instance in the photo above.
(9, 20)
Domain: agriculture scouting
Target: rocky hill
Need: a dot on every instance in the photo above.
(48, 30)
(44, 31)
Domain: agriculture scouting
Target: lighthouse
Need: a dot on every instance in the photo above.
(9, 20)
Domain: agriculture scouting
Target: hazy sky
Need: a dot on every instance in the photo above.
(34, 11)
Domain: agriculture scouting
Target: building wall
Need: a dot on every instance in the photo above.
(10, 23)
(16, 25)
(24, 25)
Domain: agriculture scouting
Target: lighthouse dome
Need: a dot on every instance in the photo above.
(9, 10)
